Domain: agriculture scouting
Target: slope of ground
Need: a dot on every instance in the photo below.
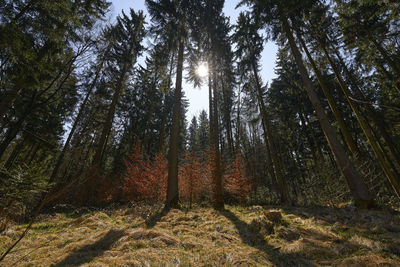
(137, 236)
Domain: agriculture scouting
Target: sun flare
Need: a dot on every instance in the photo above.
(202, 70)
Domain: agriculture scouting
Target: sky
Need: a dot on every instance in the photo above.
(198, 97)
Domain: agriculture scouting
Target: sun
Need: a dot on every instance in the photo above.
(202, 70)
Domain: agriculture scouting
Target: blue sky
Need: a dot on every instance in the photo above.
(198, 98)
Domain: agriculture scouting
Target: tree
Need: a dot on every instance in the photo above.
(203, 132)
(323, 41)
(193, 137)
(342, 125)
(129, 33)
(33, 34)
(213, 36)
(249, 50)
(274, 14)
(82, 108)
(171, 18)
(366, 27)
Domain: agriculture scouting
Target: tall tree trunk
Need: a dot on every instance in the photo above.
(358, 188)
(161, 141)
(342, 125)
(276, 160)
(217, 170)
(165, 109)
(172, 186)
(110, 117)
(394, 180)
(77, 120)
(375, 116)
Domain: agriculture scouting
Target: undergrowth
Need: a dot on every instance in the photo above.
(139, 235)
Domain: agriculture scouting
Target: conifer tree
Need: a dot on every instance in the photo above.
(129, 32)
(276, 16)
(249, 49)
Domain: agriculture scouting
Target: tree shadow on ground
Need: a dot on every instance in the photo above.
(153, 219)
(377, 225)
(87, 253)
(362, 221)
(346, 215)
(256, 240)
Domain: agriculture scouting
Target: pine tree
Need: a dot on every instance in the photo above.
(276, 15)
(129, 33)
(249, 50)
(32, 36)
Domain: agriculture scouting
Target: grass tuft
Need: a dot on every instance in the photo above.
(202, 236)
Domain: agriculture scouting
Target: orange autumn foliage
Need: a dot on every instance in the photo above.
(195, 183)
(145, 178)
(237, 184)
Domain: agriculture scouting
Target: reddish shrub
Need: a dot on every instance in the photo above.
(237, 184)
(145, 178)
(195, 183)
(189, 175)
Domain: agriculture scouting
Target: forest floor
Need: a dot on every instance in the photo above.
(137, 235)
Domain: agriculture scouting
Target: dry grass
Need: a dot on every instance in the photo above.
(205, 237)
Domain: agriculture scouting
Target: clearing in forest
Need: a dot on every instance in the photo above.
(137, 235)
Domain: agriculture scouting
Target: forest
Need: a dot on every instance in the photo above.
(100, 164)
